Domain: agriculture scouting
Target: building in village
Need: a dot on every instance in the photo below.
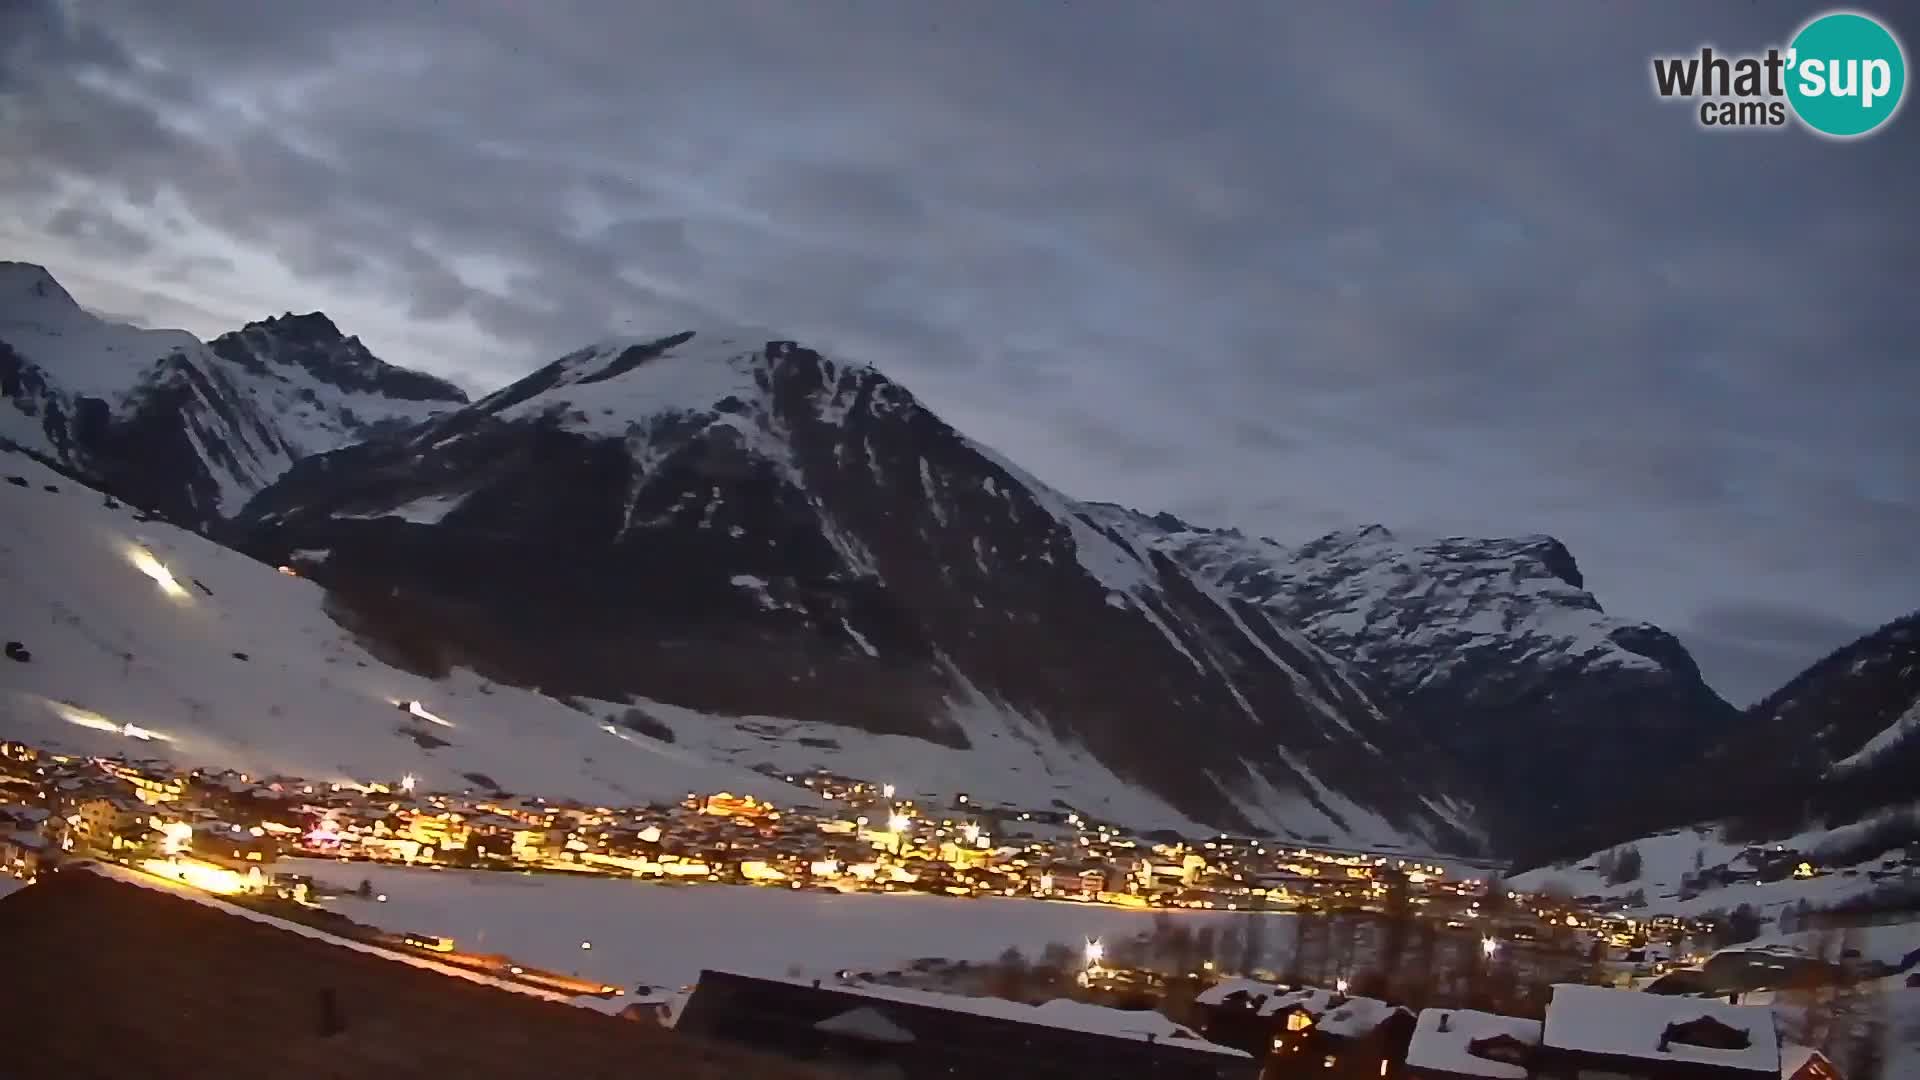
(913, 1034)
(1360, 1038)
(1260, 1017)
(1463, 1044)
(1307, 1031)
(24, 854)
(1594, 1031)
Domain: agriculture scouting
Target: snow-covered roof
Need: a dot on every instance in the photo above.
(1632, 1024)
(1137, 1025)
(1356, 1017)
(1269, 998)
(29, 840)
(1254, 989)
(865, 1023)
(1447, 1051)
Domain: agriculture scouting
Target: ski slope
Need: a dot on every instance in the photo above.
(115, 649)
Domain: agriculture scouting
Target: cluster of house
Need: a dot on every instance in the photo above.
(1589, 1033)
(863, 837)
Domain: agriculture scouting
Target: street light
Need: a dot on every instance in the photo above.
(899, 823)
(1340, 986)
(1489, 946)
(407, 782)
(1095, 951)
(586, 945)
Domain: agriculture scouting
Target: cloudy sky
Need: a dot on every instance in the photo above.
(1289, 266)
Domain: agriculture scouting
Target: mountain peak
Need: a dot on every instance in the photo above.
(606, 387)
(313, 327)
(24, 283)
(313, 345)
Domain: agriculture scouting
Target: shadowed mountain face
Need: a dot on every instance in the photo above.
(184, 429)
(1572, 722)
(744, 526)
(1838, 743)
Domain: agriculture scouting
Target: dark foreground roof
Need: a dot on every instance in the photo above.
(104, 979)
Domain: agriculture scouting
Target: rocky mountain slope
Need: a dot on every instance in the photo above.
(733, 523)
(185, 429)
(1573, 722)
(1838, 744)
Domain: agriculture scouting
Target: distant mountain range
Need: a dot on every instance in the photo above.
(732, 526)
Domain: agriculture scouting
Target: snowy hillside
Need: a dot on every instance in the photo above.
(735, 524)
(228, 662)
(178, 427)
(1494, 650)
(1696, 869)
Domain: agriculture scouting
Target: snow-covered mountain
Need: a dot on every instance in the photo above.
(181, 428)
(734, 524)
(1572, 721)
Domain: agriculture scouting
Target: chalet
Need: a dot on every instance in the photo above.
(1461, 1044)
(1805, 1063)
(1259, 1017)
(1359, 1038)
(914, 1034)
(23, 854)
(1630, 1035)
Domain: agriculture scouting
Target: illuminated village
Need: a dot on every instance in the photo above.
(227, 833)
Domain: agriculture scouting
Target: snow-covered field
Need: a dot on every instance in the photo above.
(656, 934)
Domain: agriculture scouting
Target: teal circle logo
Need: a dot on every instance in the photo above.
(1846, 74)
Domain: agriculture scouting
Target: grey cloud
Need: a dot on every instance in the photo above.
(98, 230)
(1296, 267)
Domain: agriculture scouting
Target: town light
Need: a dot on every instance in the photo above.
(586, 945)
(887, 791)
(899, 823)
(144, 562)
(407, 782)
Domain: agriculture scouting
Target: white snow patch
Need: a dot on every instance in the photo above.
(1906, 726)
(664, 935)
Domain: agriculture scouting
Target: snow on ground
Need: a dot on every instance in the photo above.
(1668, 857)
(87, 354)
(656, 934)
(691, 377)
(112, 647)
(1010, 760)
(1895, 733)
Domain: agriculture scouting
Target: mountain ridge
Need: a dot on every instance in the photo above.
(821, 527)
(185, 428)
(779, 526)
